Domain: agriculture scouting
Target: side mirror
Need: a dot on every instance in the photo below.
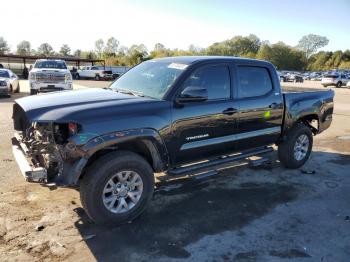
(193, 94)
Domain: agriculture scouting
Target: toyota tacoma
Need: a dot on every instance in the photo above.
(174, 115)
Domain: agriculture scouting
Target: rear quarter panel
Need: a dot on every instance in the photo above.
(304, 103)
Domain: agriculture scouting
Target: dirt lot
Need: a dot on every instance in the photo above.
(268, 214)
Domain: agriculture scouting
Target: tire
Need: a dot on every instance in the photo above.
(33, 92)
(11, 89)
(286, 150)
(77, 76)
(17, 89)
(97, 178)
(339, 84)
(97, 78)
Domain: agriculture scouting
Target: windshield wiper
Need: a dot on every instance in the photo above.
(129, 92)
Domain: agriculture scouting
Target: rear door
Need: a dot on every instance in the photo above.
(260, 106)
(203, 129)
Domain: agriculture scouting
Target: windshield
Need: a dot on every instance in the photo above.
(151, 78)
(4, 74)
(50, 64)
(331, 76)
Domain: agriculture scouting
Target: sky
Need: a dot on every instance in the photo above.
(176, 23)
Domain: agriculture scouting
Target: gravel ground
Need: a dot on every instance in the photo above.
(270, 214)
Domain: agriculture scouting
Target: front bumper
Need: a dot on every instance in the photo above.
(107, 76)
(33, 172)
(30, 172)
(50, 87)
(4, 90)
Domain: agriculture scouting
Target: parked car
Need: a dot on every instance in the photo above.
(9, 82)
(49, 75)
(94, 72)
(334, 79)
(164, 115)
(296, 78)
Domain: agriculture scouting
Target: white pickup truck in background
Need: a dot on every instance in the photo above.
(94, 72)
(49, 75)
(100, 72)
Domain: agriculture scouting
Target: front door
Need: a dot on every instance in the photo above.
(201, 129)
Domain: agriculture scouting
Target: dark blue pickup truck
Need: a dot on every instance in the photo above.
(175, 115)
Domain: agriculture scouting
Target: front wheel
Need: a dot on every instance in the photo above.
(117, 188)
(339, 84)
(33, 92)
(296, 149)
(97, 78)
(17, 89)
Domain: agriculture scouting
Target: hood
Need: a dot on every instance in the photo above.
(48, 70)
(77, 105)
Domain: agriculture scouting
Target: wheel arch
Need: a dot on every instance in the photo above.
(309, 120)
(146, 143)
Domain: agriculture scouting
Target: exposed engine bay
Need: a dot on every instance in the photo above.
(47, 146)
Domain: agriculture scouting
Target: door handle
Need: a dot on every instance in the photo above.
(229, 111)
(273, 106)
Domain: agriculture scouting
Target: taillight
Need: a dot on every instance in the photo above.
(72, 128)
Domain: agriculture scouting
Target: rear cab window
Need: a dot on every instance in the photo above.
(253, 81)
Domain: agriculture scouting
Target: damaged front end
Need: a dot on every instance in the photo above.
(44, 152)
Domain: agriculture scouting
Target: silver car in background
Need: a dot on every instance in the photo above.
(334, 79)
(9, 82)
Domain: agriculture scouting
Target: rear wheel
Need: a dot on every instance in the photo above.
(296, 149)
(97, 78)
(339, 84)
(117, 188)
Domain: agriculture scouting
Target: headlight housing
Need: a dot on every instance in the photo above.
(68, 77)
(32, 76)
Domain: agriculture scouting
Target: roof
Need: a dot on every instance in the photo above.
(194, 59)
(11, 58)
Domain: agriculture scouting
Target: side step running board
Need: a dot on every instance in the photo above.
(219, 161)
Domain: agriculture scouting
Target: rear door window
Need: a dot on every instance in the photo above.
(253, 81)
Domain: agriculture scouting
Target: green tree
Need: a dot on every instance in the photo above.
(23, 48)
(136, 54)
(237, 46)
(111, 48)
(65, 50)
(311, 43)
(88, 54)
(282, 56)
(318, 61)
(99, 47)
(4, 48)
(45, 49)
(334, 61)
(160, 50)
(77, 53)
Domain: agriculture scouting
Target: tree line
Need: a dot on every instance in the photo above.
(304, 56)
